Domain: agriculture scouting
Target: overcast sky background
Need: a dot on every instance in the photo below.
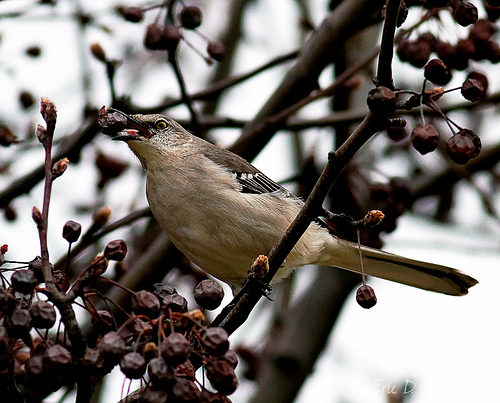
(446, 348)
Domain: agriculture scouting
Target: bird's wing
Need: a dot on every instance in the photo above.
(250, 179)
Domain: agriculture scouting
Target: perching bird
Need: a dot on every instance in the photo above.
(221, 212)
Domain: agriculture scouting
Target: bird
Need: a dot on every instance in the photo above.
(222, 213)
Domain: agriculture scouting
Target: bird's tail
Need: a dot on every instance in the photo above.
(427, 276)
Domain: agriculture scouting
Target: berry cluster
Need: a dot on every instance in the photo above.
(161, 338)
(170, 343)
(168, 36)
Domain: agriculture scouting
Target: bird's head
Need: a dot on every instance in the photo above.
(150, 137)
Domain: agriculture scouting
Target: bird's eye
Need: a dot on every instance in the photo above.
(161, 124)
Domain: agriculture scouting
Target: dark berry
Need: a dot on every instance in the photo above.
(111, 347)
(365, 296)
(231, 357)
(463, 146)
(382, 100)
(131, 14)
(159, 373)
(26, 99)
(111, 123)
(425, 138)
(215, 339)
(116, 250)
(175, 349)
(174, 302)
(465, 13)
(34, 51)
(71, 231)
(7, 137)
(109, 168)
(162, 290)
(43, 315)
(24, 281)
(208, 294)
(57, 358)
(145, 303)
(190, 17)
(185, 390)
(93, 363)
(437, 72)
(133, 365)
(474, 87)
(18, 323)
(222, 377)
(216, 50)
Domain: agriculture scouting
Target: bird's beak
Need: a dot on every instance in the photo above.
(133, 129)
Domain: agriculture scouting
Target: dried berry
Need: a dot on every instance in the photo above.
(437, 72)
(185, 390)
(24, 281)
(116, 250)
(57, 358)
(215, 339)
(425, 138)
(162, 290)
(482, 31)
(381, 100)
(131, 14)
(415, 52)
(71, 231)
(111, 123)
(474, 87)
(208, 294)
(365, 296)
(7, 137)
(133, 365)
(34, 51)
(18, 322)
(93, 363)
(43, 315)
(175, 349)
(190, 17)
(154, 38)
(111, 347)
(222, 377)
(154, 396)
(174, 303)
(216, 50)
(35, 370)
(465, 13)
(26, 99)
(463, 146)
(172, 38)
(159, 373)
(231, 357)
(109, 168)
(145, 303)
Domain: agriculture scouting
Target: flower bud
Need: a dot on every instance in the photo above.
(98, 52)
(48, 111)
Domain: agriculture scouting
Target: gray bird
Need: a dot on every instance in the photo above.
(222, 212)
